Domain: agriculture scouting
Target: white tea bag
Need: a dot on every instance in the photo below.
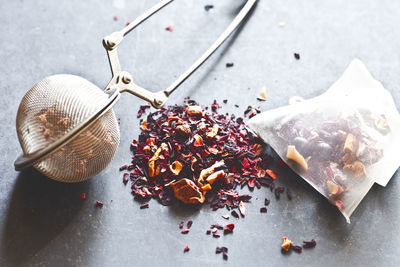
(341, 142)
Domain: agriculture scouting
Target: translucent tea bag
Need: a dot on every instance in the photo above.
(341, 142)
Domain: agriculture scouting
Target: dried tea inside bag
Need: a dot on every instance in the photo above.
(341, 142)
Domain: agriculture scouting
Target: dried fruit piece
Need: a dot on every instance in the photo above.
(187, 192)
(216, 176)
(294, 155)
(357, 168)
(185, 231)
(350, 145)
(206, 172)
(216, 234)
(271, 173)
(213, 132)
(286, 243)
(339, 204)
(183, 130)
(152, 170)
(333, 189)
(176, 167)
(193, 111)
(262, 95)
(263, 209)
(198, 140)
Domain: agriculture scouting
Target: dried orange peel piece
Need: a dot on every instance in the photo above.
(286, 243)
(206, 172)
(176, 167)
(294, 155)
(152, 169)
(187, 192)
(213, 132)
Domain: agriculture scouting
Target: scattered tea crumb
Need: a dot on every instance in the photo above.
(225, 101)
(189, 224)
(229, 228)
(125, 180)
(229, 64)
(144, 205)
(262, 95)
(235, 214)
(185, 231)
(289, 193)
(297, 56)
(83, 196)
(186, 249)
(181, 224)
(309, 244)
(226, 216)
(266, 202)
(263, 210)
(99, 203)
(242, 208)
(169, 28)
(216, 234)
(298, 249)
(115, 18)
(208, 232)
(208, 7)
(127, 23)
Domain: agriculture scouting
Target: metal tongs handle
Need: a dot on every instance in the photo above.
(122, 80)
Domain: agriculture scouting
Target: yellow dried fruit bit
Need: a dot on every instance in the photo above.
(213, 132)
(216, 176)
(294, 155)
(357, 168)
(262, 95)
(286, 243)
(194, 111)
(350, 145)
(187, 192)
(176, 167)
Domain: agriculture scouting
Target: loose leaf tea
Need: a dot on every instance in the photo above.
(189, 154)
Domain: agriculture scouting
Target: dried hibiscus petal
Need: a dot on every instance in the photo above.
(229, 228)
(185, 231)
(186, 249)
(309, 244)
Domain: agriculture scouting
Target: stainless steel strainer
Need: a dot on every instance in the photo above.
(65, 124)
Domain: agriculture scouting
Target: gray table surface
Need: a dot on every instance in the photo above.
(40, 38)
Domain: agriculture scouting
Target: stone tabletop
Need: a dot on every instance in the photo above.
(45, 223)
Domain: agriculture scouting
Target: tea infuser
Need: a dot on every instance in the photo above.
(66, 125)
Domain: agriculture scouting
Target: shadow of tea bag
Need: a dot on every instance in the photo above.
(341, 142)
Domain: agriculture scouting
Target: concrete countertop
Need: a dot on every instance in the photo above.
(45, 223)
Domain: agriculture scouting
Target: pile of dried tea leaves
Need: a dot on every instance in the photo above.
(196, 156)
